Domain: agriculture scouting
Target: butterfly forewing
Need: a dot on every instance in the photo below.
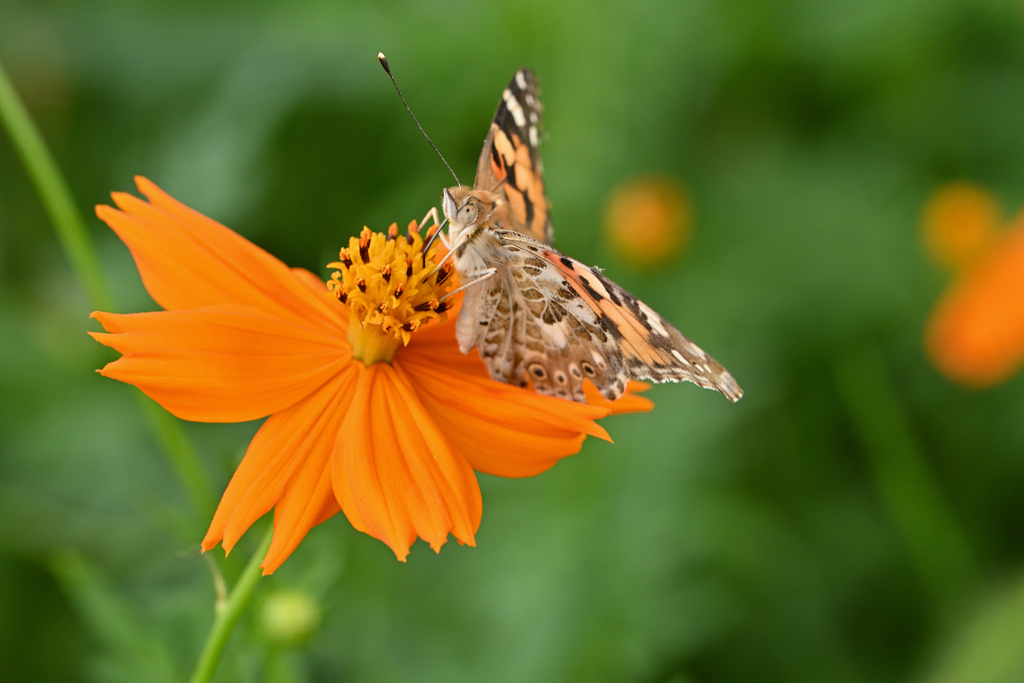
(510, 164)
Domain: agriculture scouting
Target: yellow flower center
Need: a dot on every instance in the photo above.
(390, 289)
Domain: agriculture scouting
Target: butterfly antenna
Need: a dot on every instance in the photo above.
(384, 63)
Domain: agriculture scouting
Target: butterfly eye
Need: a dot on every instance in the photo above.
(467, 214)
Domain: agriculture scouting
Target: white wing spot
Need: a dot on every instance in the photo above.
(595, 283)
(679, 356)
(514, 107)
(554, 334)
(521, 79)
(653, 319)
(533, 134)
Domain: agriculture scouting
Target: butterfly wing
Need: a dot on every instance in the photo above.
(557, 321)
(528, 324)
(510, 164)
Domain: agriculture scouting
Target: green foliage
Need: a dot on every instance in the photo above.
(854, 518)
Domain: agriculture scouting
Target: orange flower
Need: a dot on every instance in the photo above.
(958, 222)
(976, 332)
(648, 220)
(373, 410)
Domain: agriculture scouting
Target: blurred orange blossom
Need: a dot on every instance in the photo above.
(975, 334)
(648, 220)
(959, 220)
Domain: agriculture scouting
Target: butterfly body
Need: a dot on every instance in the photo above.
(535, 315)
(475, 214)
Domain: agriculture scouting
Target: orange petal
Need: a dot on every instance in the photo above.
(315, 284)
(499, 428)
(283, 467)
(629, 402)
(397, 472)
(976, 332)
(221, 363)
(187, 260)
(308, 501)
(435, 343)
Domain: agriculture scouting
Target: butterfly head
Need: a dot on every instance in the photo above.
(470, 210)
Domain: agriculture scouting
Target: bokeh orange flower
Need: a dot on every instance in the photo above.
(958, 222)
(976, 332)
(648, 220)
(372, 409)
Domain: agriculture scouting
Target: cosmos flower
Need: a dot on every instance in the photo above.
(958, 222)
(648, 220)
(372, 409)
(975, 334)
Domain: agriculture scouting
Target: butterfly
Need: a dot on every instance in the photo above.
(535, 315)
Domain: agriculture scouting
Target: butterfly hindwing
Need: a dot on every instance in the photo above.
(530, 325)
(637, 343)
(510, 165)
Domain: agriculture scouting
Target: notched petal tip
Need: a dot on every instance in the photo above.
(109, 321)
(404, 478)
(601, 433)
(148, 187)
(125, 201)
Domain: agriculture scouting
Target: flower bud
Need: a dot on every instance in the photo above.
(289, 617)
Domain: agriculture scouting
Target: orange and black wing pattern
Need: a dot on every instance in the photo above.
(650, 347)
(510, 164)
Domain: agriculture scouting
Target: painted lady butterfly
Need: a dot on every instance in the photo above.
(533, 313)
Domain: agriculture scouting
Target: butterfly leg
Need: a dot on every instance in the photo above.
(437, 233)
(451, 250)
(431, 213)
(478, 276)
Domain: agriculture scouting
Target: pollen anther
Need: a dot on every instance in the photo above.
(388, 302)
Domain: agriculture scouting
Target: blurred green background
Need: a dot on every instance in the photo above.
(856, 517)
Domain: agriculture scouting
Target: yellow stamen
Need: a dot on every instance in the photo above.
(383, 279)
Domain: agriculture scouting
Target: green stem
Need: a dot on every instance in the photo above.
(53, 192)
(183, 458)
(908, 489)
(227, 618)
(74, 239)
